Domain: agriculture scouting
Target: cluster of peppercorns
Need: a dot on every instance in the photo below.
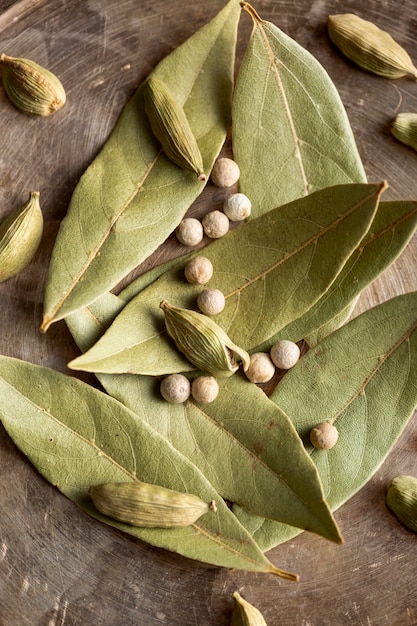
(176, 388)
(215, 224)
(284, 354)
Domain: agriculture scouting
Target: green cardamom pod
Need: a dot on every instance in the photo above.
(30, 87)
(20, 236)
(369, 47)
(203, 342)
(401, 498)
(148, 506)
(404, 128)
(245, 614)
(170, 126)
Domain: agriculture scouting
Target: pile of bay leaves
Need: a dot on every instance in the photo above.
(318, 235)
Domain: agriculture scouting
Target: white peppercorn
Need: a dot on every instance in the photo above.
(225, 172)
(211, 301)
(261, 369)
(237, 207)
(285, 354)
(190, 231)
(198, 270)
(324, 436)
(215, 224)
(175, 388)
(204, 389)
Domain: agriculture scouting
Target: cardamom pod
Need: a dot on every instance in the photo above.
(369, 47)
(170, 126)
(401, 498)
(20, 236)
(203, 342)
(30, 87)
(245, 614)
(404, 128)
(148, 506)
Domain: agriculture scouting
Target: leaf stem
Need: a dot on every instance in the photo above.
(251, 11)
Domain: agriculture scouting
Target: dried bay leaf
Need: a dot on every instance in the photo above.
(363, 377)
(271, 270)
(243, 443)
(391, 230)
(132, 197)
(77, 436)
(291, 134)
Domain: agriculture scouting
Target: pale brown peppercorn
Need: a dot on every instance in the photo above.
(225, 172)
(215, 224)
(211, 301)
(204, 389)
(190, 232)
(261, 369)
(324, 436)
(175, 388)
(237, 207)
(198, 270)
(285, 354)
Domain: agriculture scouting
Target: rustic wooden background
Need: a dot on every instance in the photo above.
(58, 566)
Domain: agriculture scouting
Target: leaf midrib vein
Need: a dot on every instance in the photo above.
(287, 108)
(304, 245)
(263, 274)
(207, 533)
(93, 254)
(374, 371)
(254, 456)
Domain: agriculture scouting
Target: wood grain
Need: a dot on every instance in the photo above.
(58, 566)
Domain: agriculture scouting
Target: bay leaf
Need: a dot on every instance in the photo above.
(132, 197)
(271, 270)
(242, 442)
(77, 436)
(148, 277)
(332, 324)
(391, 230)
(363, 378)
(291, 134)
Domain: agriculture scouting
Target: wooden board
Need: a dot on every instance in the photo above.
(58, 566)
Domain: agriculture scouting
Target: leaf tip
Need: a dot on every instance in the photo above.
(46, 322)
(384, 186)
(76, 364)
(248, 8)
(276, 571)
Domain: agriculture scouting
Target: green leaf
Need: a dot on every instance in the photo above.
(291, 134)
(242, 442)
(392, 228)
(332, 324)
(132, 197)
(77, 436)
(271, 270)
(148, 277)
(363, 378)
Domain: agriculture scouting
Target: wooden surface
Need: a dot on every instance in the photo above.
(58, 566)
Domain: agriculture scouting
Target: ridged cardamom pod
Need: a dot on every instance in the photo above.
(369, 47)
(245, 614)
(401, 498)
(203, 342)
(404, 128)
(148, 506)
(170, 126)
(20, 236)
(30, 87)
